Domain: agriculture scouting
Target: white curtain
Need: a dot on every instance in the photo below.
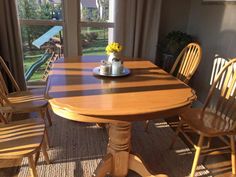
(137, 26)
(10, 40)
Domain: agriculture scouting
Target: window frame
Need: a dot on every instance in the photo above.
(110, 24)
(72, 26)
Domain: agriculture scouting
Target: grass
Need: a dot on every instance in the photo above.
(32, 56)
(96, 48)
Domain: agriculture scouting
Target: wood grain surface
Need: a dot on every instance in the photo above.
(75, 93)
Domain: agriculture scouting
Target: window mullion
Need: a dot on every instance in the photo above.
(97, 24)
(41, 22)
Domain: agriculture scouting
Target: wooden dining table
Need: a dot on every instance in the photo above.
(149, 92)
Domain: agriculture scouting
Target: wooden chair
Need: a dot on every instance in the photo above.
(23, 138)
(186, 64)
(217, 117)
(218, 64)
(21, 101)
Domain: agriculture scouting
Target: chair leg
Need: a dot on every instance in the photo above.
(45, 154)
(45, 113)
(46, 138)
(146, 125)
(232, 143)
(36, 158)
(42, 115)
(176, 133)
(48, 117)
(32, 166)
(197, 154)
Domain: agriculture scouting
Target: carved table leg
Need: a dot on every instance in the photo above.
(119, 147)
(136, 164)
(119, 160)
(104, 167)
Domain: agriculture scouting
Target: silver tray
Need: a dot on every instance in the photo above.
(125, 72)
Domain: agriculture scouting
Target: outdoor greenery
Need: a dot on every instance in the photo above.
(33, 10)
(93, 14)
(94, 40)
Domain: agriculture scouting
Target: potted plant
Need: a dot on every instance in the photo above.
(171, 46)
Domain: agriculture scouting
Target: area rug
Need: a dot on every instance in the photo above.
(77, 148)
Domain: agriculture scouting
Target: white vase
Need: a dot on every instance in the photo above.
(112, 56)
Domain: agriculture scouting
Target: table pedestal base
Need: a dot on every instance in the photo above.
(119, 160)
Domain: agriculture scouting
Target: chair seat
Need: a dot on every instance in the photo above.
(210, 125)
(27, 100)
(21, 138)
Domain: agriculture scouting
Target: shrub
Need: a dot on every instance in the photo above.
(91, 36)
(174, 42)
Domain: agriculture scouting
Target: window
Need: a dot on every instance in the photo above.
(52, 25)
(41, 23)
(96, 25)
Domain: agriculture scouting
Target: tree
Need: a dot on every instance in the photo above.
(103, 6)
(30, 9)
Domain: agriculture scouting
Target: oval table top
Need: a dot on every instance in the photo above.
(147, 93)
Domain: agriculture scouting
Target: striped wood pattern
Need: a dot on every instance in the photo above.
(188, 61)
(73, 90)
(218, 64)
(23, 139)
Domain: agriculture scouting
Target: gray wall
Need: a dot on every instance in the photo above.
(215, 28)
(174, 16)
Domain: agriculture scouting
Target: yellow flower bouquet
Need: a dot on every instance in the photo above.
(113, 48)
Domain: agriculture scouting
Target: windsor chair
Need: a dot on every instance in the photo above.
(217, 117)
(21, 101)
(23, 138)
(185, 65)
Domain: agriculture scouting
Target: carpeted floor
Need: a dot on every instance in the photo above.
(77, 149)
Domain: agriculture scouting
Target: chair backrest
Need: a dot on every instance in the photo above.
(5, 104)
(222, 101)
(3, 86)
(8, 73)
(187, 62)
(218, 64)
(3, 92)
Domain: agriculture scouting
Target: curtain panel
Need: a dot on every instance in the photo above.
(137, 27)
(10, 40)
